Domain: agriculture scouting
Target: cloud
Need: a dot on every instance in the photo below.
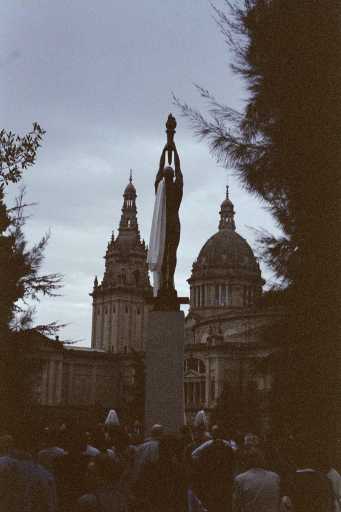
(10, 58)
(99, 78)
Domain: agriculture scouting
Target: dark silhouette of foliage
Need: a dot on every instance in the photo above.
(18, 153)
(19, 265)
(21, 281)
(237, 411)
(285, 148)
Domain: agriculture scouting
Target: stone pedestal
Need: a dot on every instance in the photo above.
(164, 370)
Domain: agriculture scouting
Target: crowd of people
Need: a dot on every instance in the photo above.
(108, 469)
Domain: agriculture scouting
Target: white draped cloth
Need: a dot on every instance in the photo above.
(112, 418)
(157, 239)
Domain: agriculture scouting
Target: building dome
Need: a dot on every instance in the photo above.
(130, 190)
(227, 249)
(226, 272)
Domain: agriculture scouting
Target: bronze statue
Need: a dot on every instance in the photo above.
(173, 187)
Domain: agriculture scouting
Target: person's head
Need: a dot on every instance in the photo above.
(171, 449)
(120, 439)
(251, 440)
(137, 427)
(186, 434)
(75, 441)
(199, 433)
(108, 471)
(216, 432)
(91, 476)
(50, 437)
(254, 458)
(168, 173)
(156, 431)
(25, 437)
(98, 439)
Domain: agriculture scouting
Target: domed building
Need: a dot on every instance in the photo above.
(226, 352)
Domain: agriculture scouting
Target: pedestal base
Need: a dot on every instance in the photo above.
(164, 370)
(167, 303)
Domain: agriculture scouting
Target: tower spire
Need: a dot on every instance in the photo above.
(227, 213)
(128, 224)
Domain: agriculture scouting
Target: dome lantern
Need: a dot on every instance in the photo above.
(227, 213)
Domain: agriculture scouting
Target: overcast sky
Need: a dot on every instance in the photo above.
(98, 77)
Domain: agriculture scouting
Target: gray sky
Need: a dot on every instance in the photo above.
(98, 77)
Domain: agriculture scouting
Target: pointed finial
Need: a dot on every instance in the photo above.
(95, 282)
(227, 213)
(131, 175)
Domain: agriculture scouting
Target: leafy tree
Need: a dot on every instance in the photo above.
(21, 280)
(237, 412)
(18, 153)
(19, 265)
(285, 148)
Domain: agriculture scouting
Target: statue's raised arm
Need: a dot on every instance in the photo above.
(159, 175)
(178, 173)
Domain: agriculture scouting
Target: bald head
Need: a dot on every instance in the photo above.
(156, 431)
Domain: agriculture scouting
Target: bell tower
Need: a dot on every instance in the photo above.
(119, 312)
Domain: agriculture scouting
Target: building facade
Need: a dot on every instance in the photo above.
(225, 347)
(77, 382)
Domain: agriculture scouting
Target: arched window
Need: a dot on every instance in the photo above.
(195, 365)
(194, 383)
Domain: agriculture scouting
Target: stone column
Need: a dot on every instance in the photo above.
(93, 384)
(69, 398)
(164, 370)
(59, 381)
(219, 379)
(102, 325)
(93, 331)
(51, 382)
(44, 386)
